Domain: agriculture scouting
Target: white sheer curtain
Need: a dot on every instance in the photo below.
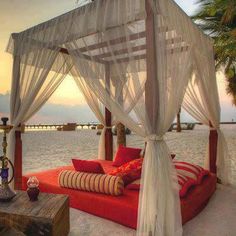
(96, 106)
(38, 69)
(204, 106)
(33, 83)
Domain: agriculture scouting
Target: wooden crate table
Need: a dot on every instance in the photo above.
(47, 216)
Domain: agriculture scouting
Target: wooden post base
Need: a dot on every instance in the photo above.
(18, 162)
(108, 137)
(213, 138)
(121, 134)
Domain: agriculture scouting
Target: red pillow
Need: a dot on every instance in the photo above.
(190, 170)
(88, 166)
(126, 154)
(185, 183)
(129, 171)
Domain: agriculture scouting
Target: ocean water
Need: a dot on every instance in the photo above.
(44, 150)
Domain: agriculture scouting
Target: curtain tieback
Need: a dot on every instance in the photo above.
(107, 127)
(154, 137)
(213, 128)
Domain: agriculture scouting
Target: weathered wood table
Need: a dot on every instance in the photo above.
(47, 216)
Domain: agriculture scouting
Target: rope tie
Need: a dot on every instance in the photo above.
(107, 127)
(154, 137)
(213, 128)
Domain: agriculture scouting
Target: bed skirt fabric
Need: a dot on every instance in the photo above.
(121, 209)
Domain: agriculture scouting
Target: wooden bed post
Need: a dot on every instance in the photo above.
(213, 138)
(108, 133)
(178, 129)
(121, 134)
(18, 143)
(18, 161)
(120, 128)
(151, 85)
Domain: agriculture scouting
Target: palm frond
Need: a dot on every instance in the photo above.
(217, 18)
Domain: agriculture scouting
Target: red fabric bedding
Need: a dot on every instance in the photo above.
(122, 209)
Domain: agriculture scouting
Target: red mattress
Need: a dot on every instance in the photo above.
(121, 209)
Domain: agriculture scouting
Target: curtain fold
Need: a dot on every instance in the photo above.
(204, 106)
(33, 83)
(97, 108)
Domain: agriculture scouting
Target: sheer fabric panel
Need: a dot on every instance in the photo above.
(95, 105)
(204, 106)
(33, 83)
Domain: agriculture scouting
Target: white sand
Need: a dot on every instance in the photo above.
(45, 150)
(48, 149)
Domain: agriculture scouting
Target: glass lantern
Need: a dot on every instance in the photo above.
(33, 188)
(33, 182)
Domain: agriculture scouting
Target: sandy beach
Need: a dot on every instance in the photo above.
(48, 149)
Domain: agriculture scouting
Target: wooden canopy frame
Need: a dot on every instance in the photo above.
(148, 53)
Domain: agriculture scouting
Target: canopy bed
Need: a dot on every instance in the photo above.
(140, 59)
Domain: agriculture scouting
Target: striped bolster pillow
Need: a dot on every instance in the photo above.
(100, 183)
(191, 171)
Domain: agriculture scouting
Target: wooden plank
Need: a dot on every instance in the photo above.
(18, 161)
(151, 85)
(122, 51)
(131, 58)
(144, 56)
(108, 133)
(123, 39)
(213, 139)
(121, 134)
(178, 128)
(178, 49)
(64, 51)
(15, 105)
(136, 49)
(47, 216)
(61, 222)
(84, 56)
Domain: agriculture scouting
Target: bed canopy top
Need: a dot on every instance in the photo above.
(141, 59)
(85, 23)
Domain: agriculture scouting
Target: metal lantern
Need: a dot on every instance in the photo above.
(6, 193)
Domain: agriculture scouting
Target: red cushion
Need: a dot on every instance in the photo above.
(185, 183)
(129, 171)
(190, 170)
(126, 154)
(87, 166)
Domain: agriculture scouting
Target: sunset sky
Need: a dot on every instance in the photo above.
(66, 104)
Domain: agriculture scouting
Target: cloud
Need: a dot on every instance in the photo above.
(4, 102)
(58, 113)
(52, 113)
